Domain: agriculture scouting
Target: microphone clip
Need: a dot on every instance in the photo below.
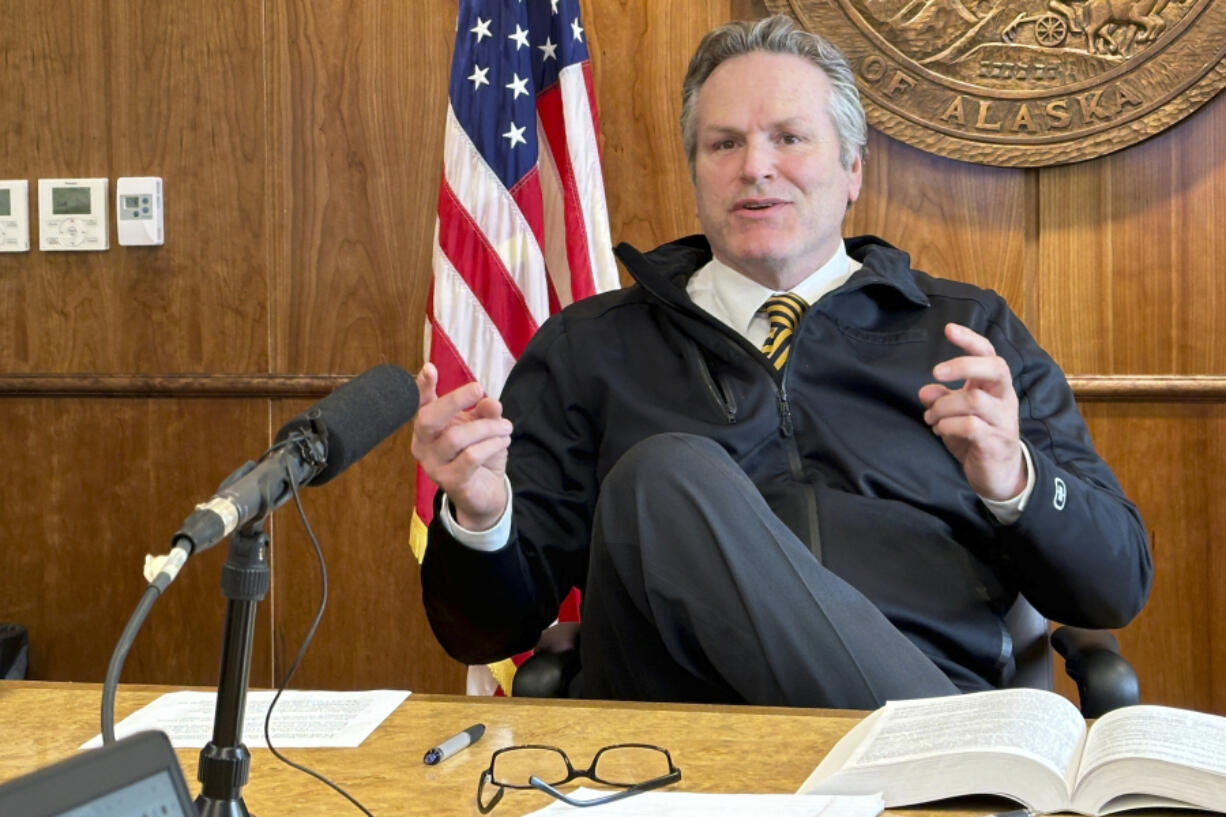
(313, 445)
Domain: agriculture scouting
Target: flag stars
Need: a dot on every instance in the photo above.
(576, 29)
(520, 37)
(482, 29)
(555, 6)
(518, 86)
(516, 136)
(478, 77)
(549, 49)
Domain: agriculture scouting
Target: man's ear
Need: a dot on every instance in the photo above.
(855, 178)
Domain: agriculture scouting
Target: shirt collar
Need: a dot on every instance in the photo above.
(736, 299)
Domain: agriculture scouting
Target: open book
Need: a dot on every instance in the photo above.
(1033, 747)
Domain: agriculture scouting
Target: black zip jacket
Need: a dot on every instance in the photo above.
(836, 443)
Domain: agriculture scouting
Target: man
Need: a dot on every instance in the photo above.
(814, 524)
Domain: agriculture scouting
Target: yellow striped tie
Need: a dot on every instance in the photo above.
(783, 311)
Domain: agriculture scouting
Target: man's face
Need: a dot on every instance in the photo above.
(771, 190)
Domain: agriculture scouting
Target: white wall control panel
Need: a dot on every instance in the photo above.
(15, 216)
(138, 210)
(72, 215)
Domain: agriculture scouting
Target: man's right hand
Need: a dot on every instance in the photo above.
(460, 440)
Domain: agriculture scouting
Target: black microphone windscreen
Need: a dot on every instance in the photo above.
(358, 416)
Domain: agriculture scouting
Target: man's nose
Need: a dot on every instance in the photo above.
(758, 160)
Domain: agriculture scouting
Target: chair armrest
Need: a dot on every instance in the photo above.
(14, 651)
(1105, 680)
(546, 675)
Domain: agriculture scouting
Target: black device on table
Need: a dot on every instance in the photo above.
(137, 776)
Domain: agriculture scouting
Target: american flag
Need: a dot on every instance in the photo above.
(522, 225)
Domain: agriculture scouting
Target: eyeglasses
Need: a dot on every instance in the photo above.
(633, 767)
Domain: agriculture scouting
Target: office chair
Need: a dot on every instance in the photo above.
(1105, 680)
(14, 651)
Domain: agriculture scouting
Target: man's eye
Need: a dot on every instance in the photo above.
(724, 144)
(790, 139)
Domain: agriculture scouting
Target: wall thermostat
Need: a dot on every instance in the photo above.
(72, 214)
(138, 210)
(15, 216)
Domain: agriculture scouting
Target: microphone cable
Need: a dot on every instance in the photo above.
(306, 642)
(168, 570)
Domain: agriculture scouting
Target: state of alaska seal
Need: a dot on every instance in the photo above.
(1025, 83)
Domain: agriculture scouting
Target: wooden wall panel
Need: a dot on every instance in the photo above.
(1172, 464)
(359, 94)
(1130, 254)
(640, 52)
(136, 87)
(358, 98)
(957, 220)
(94, 485)
(1129, 282)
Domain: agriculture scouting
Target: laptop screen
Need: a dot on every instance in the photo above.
(151, 797)
(138, 776)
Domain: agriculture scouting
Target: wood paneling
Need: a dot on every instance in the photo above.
(93, 486)
(1171, 462)
(1131, 249)
(640, 52)
(1129, 283)
(129, 88)
(358, 102)
(203, 385)
(358, 98)
(957, 220)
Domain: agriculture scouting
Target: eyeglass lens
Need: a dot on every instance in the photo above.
(629, 765)
(515, 766)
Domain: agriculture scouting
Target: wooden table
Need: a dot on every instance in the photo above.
(717, 748)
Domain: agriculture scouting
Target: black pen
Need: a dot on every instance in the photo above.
(454, 744)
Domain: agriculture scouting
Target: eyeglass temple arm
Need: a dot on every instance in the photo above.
(671, 777)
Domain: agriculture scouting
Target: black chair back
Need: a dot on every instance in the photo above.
(1032, 653)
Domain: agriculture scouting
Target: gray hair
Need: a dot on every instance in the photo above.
(777, 35)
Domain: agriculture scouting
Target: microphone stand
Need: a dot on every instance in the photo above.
(225, 762)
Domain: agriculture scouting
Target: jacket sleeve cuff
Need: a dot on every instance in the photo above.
(490, 540)
(1007, 511)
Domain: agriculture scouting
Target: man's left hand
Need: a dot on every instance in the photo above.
(978, 422)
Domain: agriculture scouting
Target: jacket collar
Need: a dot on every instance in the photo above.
(884, 265)
(664, 270)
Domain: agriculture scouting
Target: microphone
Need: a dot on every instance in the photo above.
(311, 449)
(357, 417)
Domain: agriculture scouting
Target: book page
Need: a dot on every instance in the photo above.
(1039, 725)
(1177, 736)
(1017, 743)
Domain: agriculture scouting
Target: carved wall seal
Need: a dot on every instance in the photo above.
(1025, 83)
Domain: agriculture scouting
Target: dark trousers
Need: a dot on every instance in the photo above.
(698, 592)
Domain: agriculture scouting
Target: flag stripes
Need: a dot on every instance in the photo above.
(522, 224)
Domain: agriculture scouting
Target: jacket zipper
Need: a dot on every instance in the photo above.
(814, 539)
(785, 416)
(719, 392)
